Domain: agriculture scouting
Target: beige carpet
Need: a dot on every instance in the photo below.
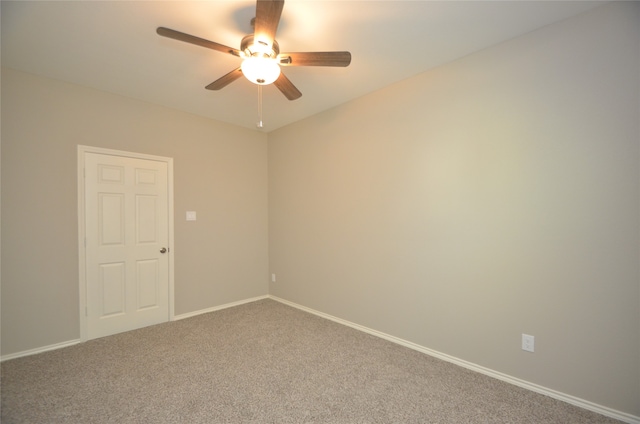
(262, 362)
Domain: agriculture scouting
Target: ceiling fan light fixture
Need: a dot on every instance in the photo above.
(260, 70)
(261, 53)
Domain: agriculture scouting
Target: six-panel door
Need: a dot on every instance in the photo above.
(126, 215)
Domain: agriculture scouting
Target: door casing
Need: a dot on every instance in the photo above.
(82, 226)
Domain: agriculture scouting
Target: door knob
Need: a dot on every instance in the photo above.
(163, 250)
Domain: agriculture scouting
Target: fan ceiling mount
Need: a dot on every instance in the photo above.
(260, 52)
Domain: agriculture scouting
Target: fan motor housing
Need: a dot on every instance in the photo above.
(250, 47)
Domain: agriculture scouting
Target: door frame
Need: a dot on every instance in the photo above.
(82, 226)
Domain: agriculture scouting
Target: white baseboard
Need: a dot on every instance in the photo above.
(175, 318)
(585, 404)
(39, 350)
(217, 308)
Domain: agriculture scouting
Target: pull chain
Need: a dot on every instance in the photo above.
(259, 123)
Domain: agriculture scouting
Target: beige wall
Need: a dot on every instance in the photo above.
(220, 171)
(494, 196)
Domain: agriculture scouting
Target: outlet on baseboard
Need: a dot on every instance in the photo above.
(528, 342)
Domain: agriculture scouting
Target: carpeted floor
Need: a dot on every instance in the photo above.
(262, 362)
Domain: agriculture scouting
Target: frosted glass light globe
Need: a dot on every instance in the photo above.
(260, 70)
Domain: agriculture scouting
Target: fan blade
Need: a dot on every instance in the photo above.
(267, 19)
(315, 59)
(288, 89)
(225, 80)
(181, 36)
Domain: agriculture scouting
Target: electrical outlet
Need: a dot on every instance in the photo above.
(528, 342)
(273, 278)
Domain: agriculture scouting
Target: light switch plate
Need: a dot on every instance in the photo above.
(191, 215)
(528, 343)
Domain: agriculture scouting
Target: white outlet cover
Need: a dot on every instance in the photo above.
(528, 342)
(191, 215)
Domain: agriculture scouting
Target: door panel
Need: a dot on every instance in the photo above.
(112, 287)
(126, 226)
(111, 219)
(147, 280)
(146, 219)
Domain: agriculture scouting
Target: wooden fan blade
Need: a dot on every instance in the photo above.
(267, 19)
(181, 36)
(225, 80)
(288, 89)
(315, 59)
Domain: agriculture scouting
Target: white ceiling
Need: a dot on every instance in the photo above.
(113, 46)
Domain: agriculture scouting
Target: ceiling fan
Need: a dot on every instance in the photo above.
(260, 52)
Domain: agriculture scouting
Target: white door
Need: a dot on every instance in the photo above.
(127, 236)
